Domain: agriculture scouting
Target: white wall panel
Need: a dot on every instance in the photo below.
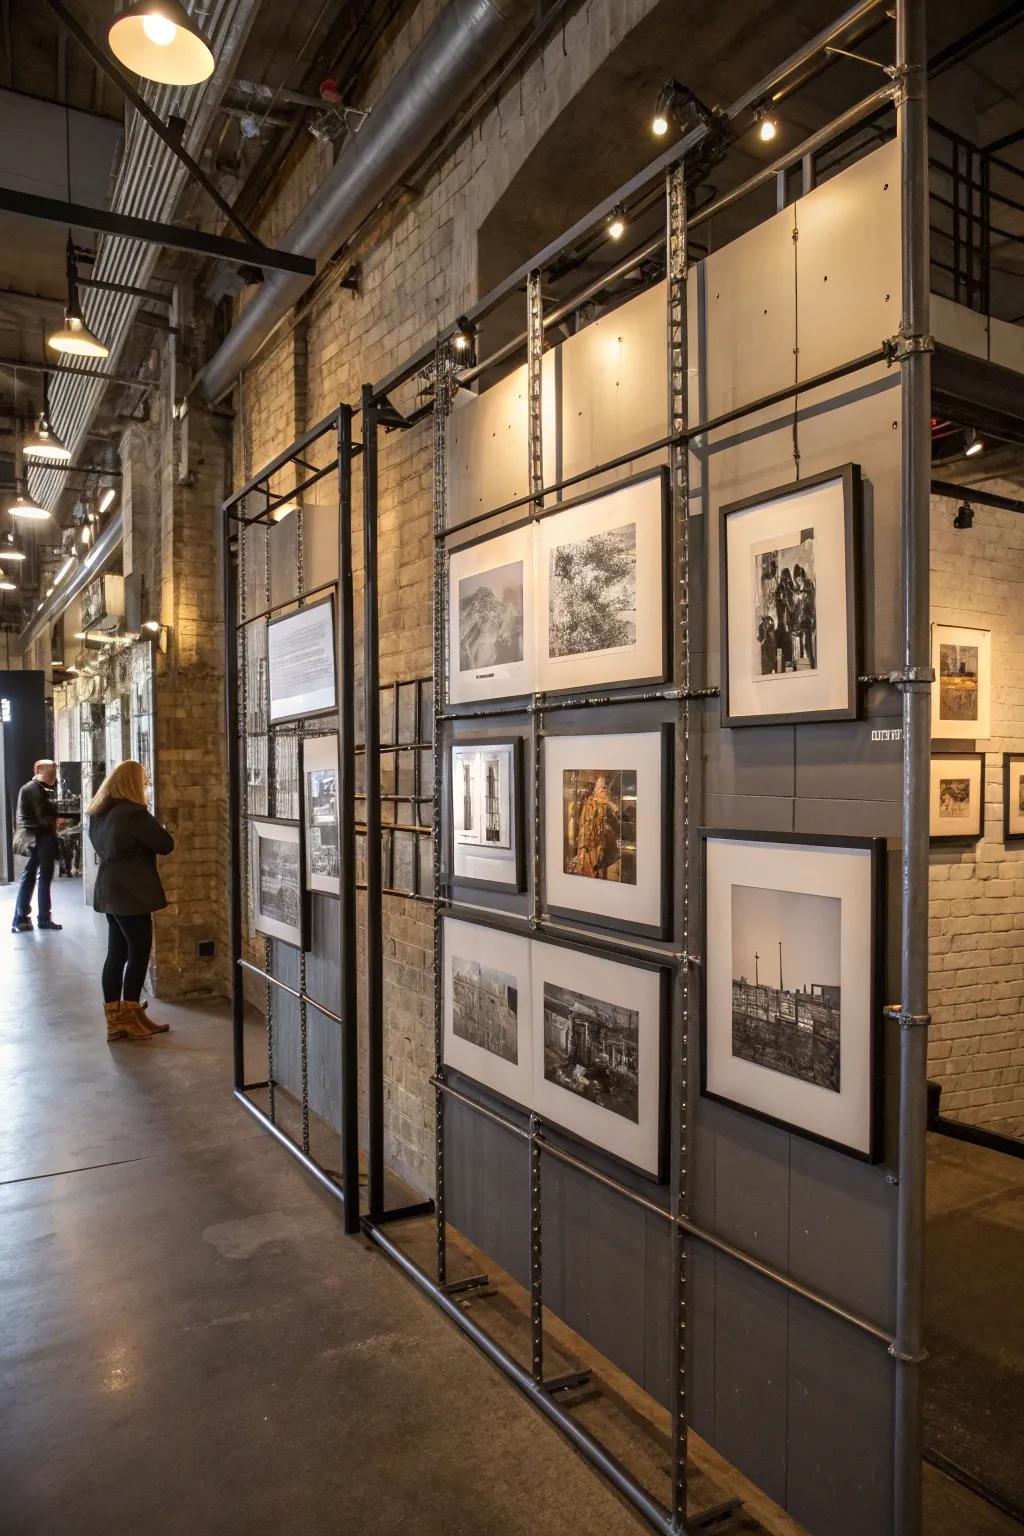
(751, 315)
(487, 452)
(848, 263)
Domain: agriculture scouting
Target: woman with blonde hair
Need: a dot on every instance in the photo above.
(127, 840)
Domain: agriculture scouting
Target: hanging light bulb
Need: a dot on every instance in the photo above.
(74, 336)
(767, 124)
(159, 40)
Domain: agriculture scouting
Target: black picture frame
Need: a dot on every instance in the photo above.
(943, 839)
(286, 618)
(449, 879)
(1011, 839)
(304, 910)
(659, 472)
(309, 890)
(853, 498)
(664, 973)
(663, 928)
(877, 847)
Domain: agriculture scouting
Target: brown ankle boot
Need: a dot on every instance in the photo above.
(115, 1024)
(139, 1014)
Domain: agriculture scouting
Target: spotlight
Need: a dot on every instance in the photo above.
(973, 443)
(464, 333)
(44, 442)
(964, 517)
(74, 336)
(678, 104)
(617, 222)
(159, 40)
(767, 124)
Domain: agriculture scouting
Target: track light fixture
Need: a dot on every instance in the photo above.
(974, 443)
(617, 222)
(964, 516)
(767, 122)
(677, 104)
(158, 40)
(74, 336)
(464, 334)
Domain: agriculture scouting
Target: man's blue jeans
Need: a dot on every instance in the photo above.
(40, 864)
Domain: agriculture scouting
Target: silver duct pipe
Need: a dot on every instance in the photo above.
(466, 41)
(94, 564)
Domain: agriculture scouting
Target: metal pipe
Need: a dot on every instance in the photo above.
(347, 947)
(374, 875)
(465, 42)
(915, 389)
(99, 557)
(229, 566)
(56, 369)
(311, 1166)
(652, 1511)
(299, 995)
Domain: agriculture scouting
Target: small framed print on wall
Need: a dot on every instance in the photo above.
(608, 828)
(485, 845)
(790, 580)
(300, 662)
(957, 796)
(1013, 797)
(600, 588)
(792, 1007)
(488, 1033)
(280, 909)
(490, 617)
(600, 1049)
(962, 690)
(320, 813)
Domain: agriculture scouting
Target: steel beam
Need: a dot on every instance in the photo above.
(106, 221)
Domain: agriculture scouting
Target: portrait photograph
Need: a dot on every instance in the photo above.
(1013, 796)
(485, 845)
(607, 828)
(490, 617)
(300, 662)
(320, 811)
(961, 692)
(600, 588)
(957, 805)
(275, 874)
(599, 1051)
(488, 1033)
(792, 1009)
(789, 584)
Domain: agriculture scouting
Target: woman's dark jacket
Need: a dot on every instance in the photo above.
(128, 839)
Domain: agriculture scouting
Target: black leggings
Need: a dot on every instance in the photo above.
(129, 941)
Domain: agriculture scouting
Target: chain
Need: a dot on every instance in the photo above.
(536, 1256)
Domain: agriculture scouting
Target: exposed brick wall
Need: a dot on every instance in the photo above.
(976, 961)
(418, 270)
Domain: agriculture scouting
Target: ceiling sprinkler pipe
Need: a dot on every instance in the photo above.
(465, 42)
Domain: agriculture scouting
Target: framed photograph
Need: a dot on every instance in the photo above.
(600, 588)
(962, 690)
(792, 1009)
(300, 662)
(320, 813)
(600, 1051)
(488, 1033)
(790, 577)
(275, 872)
(957, 796)
(485, 847)
(490, 617)
(1013, 796)
(608, 828)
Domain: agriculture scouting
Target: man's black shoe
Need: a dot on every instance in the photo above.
(21, 925)
(57, 926)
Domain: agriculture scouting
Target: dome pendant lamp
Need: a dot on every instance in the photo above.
(158, 40)
(74, 336)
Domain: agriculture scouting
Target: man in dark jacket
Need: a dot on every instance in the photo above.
(36, 835)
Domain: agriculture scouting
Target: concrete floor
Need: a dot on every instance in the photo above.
(189, 1346)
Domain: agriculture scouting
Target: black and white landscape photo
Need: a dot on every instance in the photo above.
(491, 621)
(591, 1048)
(485, 1007)
(786, 994)
(785, 627)
(278, 880)
(322, 822)
(592, 593)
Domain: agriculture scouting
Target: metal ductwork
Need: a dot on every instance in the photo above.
(465, 42)
(94, 564)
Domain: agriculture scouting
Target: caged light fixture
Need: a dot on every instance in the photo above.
(158, 40)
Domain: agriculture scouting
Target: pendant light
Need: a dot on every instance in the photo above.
(74, 336)
(25, 507)
(159, 40)
(43, 442)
